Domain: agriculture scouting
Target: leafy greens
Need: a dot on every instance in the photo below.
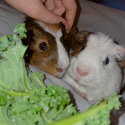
(24, 98)
(98, 114)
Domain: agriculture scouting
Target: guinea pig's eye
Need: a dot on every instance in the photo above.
(116, 42)
(43, 46)
(83, 47)
(106, 61)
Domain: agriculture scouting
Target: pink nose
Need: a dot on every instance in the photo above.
(60, 69)
(81, 72)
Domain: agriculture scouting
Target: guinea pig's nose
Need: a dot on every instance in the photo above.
(82, 72)
(59, 69)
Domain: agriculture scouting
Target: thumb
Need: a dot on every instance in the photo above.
(49, 17)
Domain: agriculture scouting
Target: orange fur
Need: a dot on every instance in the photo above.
(54, 27)
(45, 60)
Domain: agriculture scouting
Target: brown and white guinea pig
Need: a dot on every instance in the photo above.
(46, 50)
(94, 71)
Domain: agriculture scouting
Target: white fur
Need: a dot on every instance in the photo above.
(63, 59)
(102, 79)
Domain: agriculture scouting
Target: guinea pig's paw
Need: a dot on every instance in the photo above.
(82, 95)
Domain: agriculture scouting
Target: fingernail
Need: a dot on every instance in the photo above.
(68, 30)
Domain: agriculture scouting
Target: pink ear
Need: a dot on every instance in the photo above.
(121, 52)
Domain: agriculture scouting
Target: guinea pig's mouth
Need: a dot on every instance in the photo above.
(59, 75)
(60, 72)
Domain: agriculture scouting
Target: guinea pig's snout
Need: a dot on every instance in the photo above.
(82, 72)
(59, 69)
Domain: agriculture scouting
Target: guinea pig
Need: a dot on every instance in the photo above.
(46, 50)
(94, 71)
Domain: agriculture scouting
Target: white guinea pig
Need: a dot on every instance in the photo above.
(46, 50)
(93, 71)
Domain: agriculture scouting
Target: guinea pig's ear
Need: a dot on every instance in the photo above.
(78, 42)
(82, 35)
(121, 53)
(121, 56)
(74, 30)
(72, 33)
(68, 38)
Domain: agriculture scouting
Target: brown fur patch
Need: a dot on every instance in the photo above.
(79, 42)
(76, 40)
(45, 59)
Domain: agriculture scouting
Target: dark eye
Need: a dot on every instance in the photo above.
(106, 61)
(83, 48)
(43, 46)
(116, 42)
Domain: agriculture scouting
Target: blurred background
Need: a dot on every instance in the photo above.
(118, 4)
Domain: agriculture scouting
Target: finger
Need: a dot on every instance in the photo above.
(71, 7)
(50, 4)
(59, 8)
(67, 27)
(70, 18)
(43, 1)
(52, 18)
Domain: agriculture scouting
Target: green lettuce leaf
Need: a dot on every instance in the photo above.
(24, 98)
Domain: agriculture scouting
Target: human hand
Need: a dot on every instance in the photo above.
(60, 6)
(48, 11)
